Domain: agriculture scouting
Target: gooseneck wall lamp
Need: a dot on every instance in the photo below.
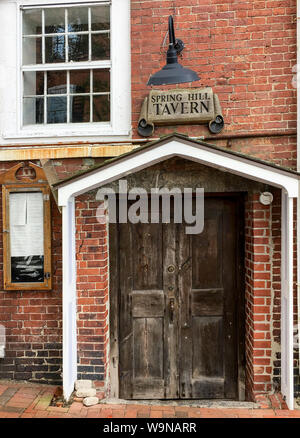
(172, 72)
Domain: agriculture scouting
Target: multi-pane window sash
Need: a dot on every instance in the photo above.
(66, 64)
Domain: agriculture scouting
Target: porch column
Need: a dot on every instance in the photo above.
(287, 375)
(69, 298)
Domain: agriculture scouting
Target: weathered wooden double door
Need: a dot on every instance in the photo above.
(178, 307)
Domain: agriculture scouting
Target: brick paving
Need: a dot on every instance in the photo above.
(28, 400)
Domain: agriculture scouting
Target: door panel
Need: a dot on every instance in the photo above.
(146, 255)
(178, 307)
(207, 350)
(207, 302)
(145, 305)
(207, 367)
(210, 366)
(148, 335)
(207, 249)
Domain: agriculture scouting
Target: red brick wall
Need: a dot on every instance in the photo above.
(280, 150)
(33, 319)
(258, 295)
(92, 289)
(263, 295)
(245, 50)
(276, 285)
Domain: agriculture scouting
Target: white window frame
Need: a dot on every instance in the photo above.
(120, 76)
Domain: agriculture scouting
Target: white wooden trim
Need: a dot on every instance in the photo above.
(121, 66)
(95, 131)
(85, 65)
(35, 4)
(287, 372)
(27, 4)
(196, 152)
(69, 299)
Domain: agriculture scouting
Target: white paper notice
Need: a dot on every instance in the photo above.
(35, 208)
(17, 208)
(26, 224)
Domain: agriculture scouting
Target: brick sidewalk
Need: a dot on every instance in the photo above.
(26, 400)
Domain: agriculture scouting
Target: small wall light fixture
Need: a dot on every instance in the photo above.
(172, 72)
(266, 198)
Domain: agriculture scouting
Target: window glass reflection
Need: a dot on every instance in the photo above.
(100, 46)
(33, 83)
(101, 109)
(79, 109)
(55, 49)
(56, 82)
(33, 110)
(80, 81)
(54, 20)
(100, 18)
(57, 109)
(78, 47)
(101, 80)
(32, 22)
(78, 19)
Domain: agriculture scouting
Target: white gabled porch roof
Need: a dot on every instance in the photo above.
(148, 155)
(180, 146)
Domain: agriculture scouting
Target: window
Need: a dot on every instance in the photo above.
(26, 231)
(59, 44)
(66, 69)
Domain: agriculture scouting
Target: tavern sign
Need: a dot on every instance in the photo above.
(180, 106)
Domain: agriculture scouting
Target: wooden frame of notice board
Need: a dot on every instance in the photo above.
(34, 268)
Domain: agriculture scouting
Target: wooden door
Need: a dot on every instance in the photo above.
(177, 312)
(208, 287)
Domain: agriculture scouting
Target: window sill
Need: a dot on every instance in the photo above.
(55, 131)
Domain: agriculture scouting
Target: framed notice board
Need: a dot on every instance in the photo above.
(26, 233)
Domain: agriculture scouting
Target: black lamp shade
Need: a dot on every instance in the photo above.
(172, 72)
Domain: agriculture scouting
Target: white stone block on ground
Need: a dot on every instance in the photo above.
(80, 384)
(86, 392)
(90, 401)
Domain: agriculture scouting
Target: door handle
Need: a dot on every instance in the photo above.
(172, 307)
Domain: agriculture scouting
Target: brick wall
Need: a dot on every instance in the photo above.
(244, 50)
(263, 296)
(92, 289)
(276, 286)
(258, 296)
(33, 320)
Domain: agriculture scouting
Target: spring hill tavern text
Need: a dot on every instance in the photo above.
(180, 106)
(189, 103)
